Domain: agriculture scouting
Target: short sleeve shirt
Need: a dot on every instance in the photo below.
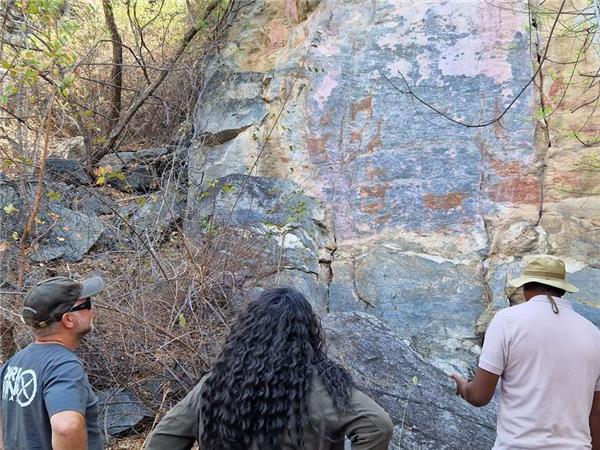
(549, 366)
(38, 382)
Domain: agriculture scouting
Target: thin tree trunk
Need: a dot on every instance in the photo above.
(117, 63)
(115, 133)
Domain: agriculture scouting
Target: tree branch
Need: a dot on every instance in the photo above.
(115, 133)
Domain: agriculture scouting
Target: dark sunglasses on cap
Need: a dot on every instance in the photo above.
(87, 304)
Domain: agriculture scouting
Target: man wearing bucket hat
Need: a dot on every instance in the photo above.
(46, 401)
(548, 358)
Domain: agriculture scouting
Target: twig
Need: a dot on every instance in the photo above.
(37, 201)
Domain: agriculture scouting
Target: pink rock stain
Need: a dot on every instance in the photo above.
(292, 9)
(324, 90)
(485, 51)
(278, 35)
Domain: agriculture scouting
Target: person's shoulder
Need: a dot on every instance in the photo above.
(508, 313)
(60, 357)
(61, 353)
(587, 326)
(515, 311)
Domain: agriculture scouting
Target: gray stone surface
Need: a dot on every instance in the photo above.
(208, 163)
(378, 157)
(274, 207)
(158, 212)
(67, 170)
(433, 303)
(230, 103)
(419, 398)
(67, 234)
(121, 411)
(459, 205)
(587, 300)
(70, 148)
(58, 231)
(86, 199)
(137, 171)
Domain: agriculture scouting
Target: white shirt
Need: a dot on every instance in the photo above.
(550, 367)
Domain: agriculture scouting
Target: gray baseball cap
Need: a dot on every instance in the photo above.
(48, 300)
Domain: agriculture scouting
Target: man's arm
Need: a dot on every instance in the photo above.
(367, 425)
(68, 431)
(1, 439)
(595, 422)
(179, 429)
(363, 421)
(480, 390)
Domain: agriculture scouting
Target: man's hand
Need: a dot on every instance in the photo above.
(461, 384)
(480, 390)
(68, 431)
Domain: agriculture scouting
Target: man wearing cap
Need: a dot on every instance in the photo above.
(548, 358)
(46, 401)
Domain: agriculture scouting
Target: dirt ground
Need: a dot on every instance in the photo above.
(131, 443)
(128, 443)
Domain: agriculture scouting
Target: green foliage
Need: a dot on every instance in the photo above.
(106, 174)
(54, 196)
(10, 209)
(543, 112)
(62, 50)
(208, 226)
(298, 211)
(228, 188)
(47, 50)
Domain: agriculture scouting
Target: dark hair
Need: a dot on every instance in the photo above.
(261, 380)
(556, 292)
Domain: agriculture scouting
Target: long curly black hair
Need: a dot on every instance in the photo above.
(260, 383)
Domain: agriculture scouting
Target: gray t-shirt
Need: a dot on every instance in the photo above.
(38, 382)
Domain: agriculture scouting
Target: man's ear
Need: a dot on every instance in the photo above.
(67, 320)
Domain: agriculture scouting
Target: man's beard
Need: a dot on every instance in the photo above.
(86, 330)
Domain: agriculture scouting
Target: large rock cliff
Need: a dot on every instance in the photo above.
(404, 157)
(420, 218)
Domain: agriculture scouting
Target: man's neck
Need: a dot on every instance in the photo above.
(67, 341)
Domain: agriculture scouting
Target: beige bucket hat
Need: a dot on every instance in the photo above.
(544, 269)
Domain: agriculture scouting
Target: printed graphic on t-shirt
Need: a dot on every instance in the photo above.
(19, 385)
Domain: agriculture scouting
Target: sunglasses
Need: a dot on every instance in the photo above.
(87, 304)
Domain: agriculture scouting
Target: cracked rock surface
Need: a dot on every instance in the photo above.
(418, 397)
(413, 218)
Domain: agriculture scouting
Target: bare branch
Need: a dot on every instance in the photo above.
(139, 101)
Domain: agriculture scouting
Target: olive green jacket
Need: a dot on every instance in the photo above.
(365, 423)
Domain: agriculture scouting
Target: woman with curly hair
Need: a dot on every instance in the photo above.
(273, 388)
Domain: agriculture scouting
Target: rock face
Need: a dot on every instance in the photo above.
(291, 224)
(67, 170)
(120, 411)
(137, 171)
(418, 397)
(384, 116)
(427, 158)
(61, 229)
(432, 301)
